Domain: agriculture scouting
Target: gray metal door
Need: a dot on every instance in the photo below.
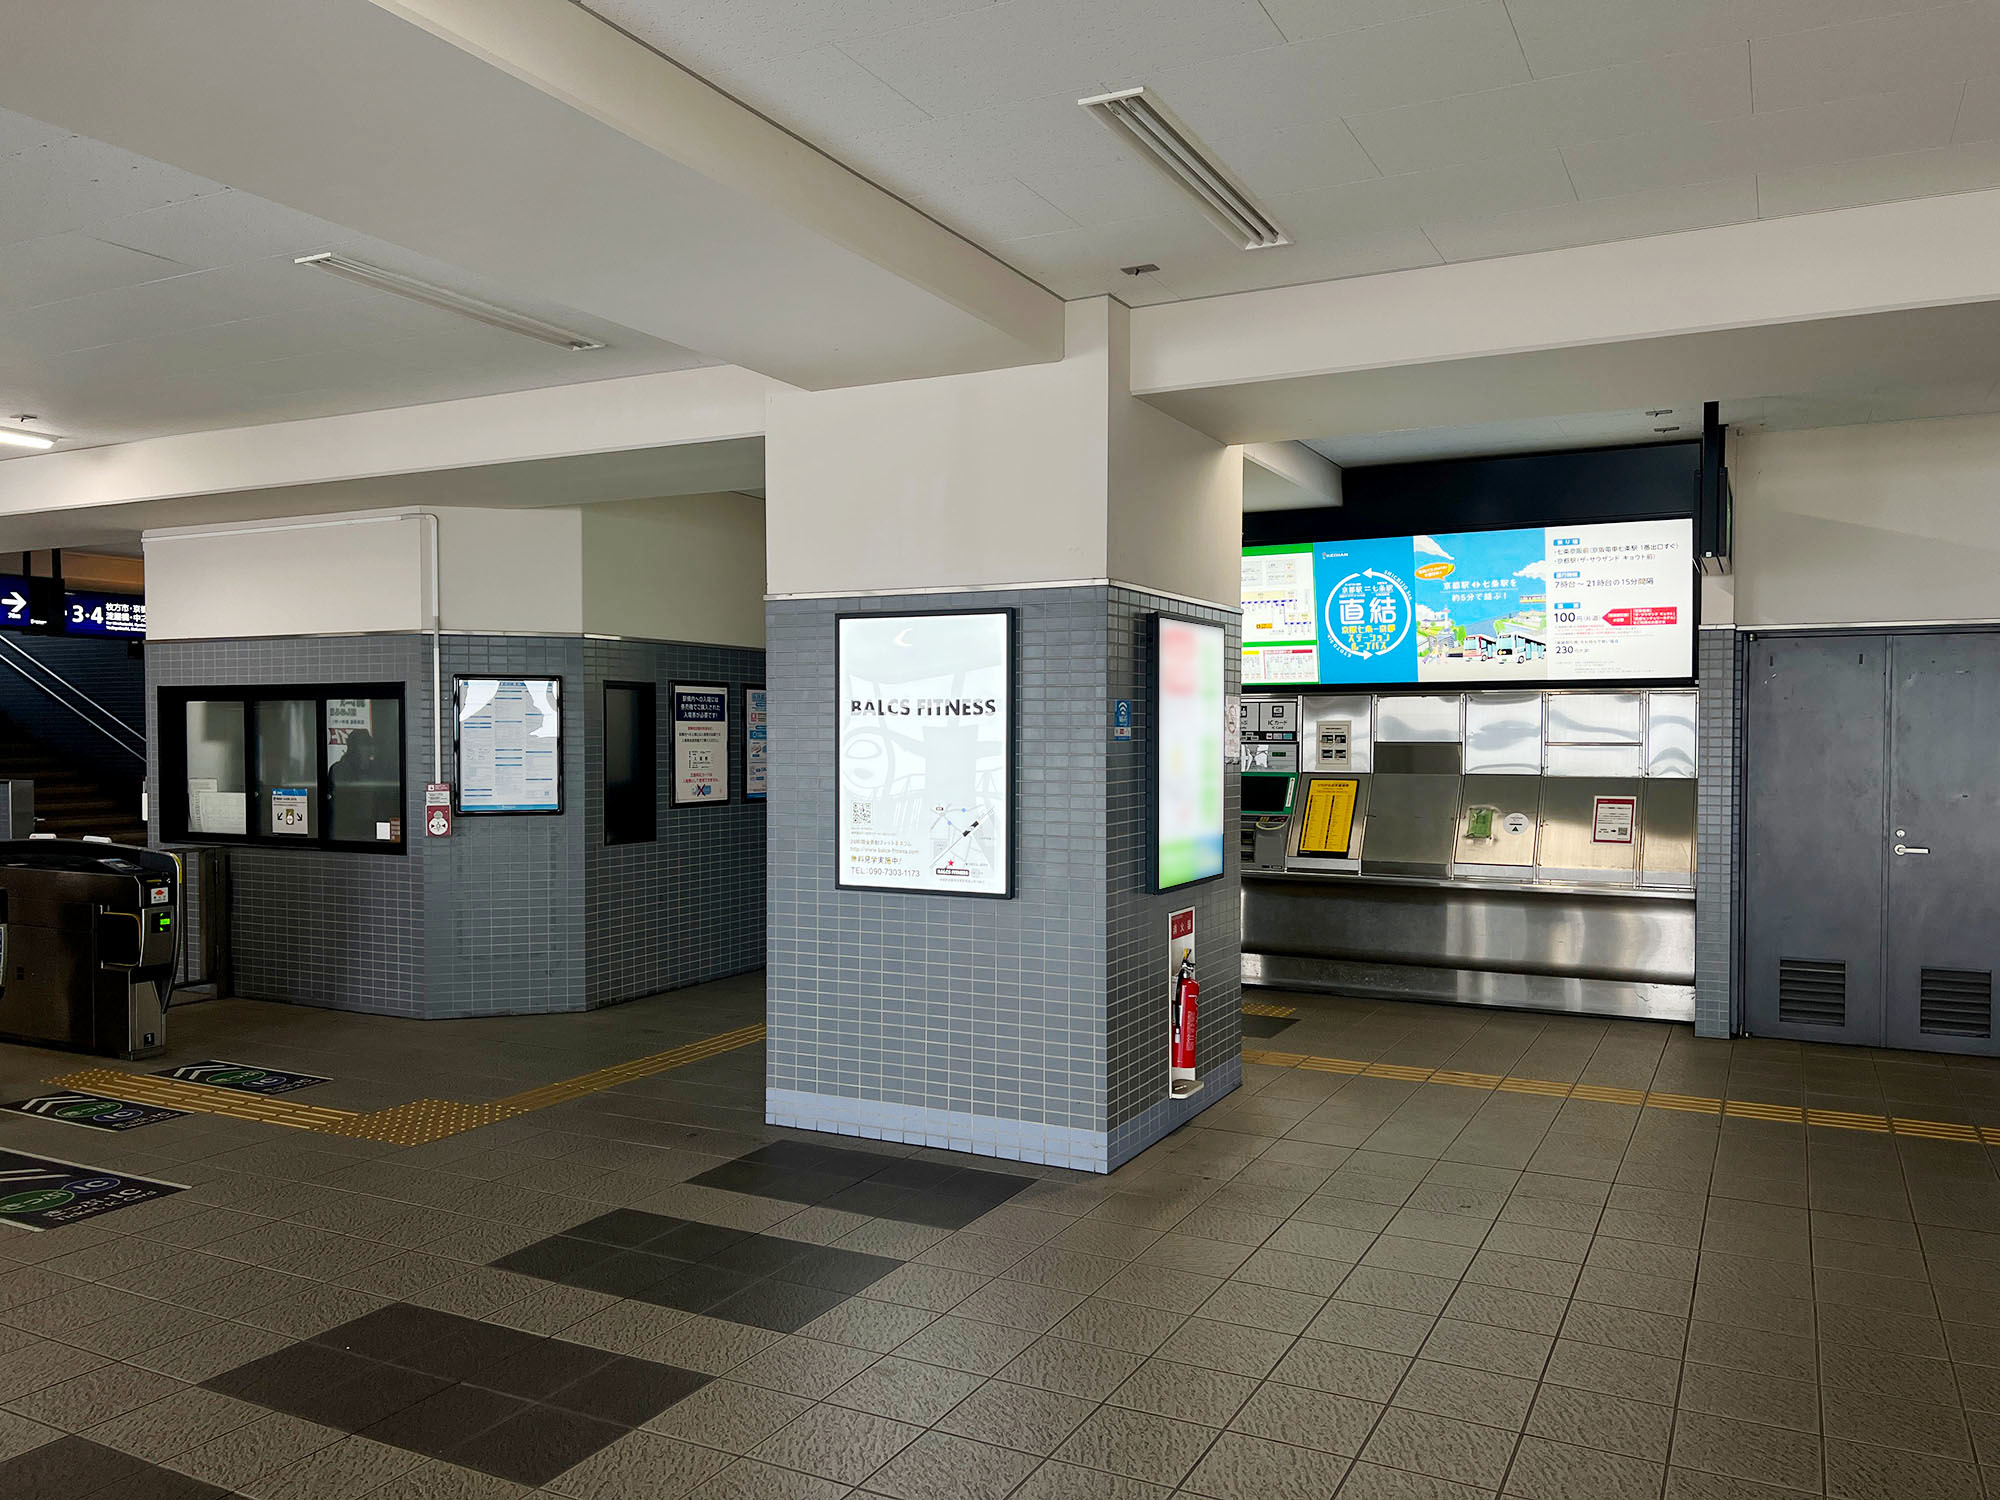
(1943, 842)
(1813, 855)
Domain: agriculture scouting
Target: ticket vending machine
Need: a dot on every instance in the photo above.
(1270, 735)
(90, 945)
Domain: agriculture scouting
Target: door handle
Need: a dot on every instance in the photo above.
(1913, 849)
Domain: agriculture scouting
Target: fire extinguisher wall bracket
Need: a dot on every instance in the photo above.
(1183, 995)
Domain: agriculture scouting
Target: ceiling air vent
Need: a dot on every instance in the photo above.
(1811, 994)
(1955, 1002)
(1143, 122)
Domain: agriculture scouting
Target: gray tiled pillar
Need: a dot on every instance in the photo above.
(1718, 816)
(1034, 1028)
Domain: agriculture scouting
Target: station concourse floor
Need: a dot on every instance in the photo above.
(1423, 1253)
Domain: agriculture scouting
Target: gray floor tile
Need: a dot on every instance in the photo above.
(1017, 1416)
(1137, 1445)
(1241, 1467)
(939, 1466)
(1441, 1447)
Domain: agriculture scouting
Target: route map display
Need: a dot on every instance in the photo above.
(1548, 604)
(925, 735)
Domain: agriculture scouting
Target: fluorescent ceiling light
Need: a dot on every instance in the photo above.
(447, 300)
(1145, 124)
(13, 437)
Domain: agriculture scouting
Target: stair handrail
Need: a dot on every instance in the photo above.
(120, 733)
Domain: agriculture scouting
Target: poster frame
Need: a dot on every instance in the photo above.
(1010, 743)
(674, 689)
(459, 809)
(748, 795)
(1154, 743)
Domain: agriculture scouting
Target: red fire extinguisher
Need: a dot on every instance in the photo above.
(1187, 991)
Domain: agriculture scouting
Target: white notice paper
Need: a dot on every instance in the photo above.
(924, 722)
(509, 744)
(701, 744)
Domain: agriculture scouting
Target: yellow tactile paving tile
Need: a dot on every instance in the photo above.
(416, 1123)
(1698, 1104)
(1277, 1012)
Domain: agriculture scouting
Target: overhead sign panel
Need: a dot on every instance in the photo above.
(1611, 602)
(103, 614)
(925, 739)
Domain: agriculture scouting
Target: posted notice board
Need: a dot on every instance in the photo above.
(509, 744)
(924, 724)
(701, 743)
(756, 744)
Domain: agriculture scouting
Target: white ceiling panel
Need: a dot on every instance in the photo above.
(1434, 56)
(1882, 179)
(1364, 125)
(73, 265)
(1774, 141)
(1666, 94)
(1479, 189)
(137, 300)
(1596, 221)
(1942, 44)
(747, 29)
(1979, 111)
(70, 183)
(1570, 36)
(1305, 20)
(979, 58)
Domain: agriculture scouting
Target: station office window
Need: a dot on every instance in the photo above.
(313, 767)
(631, 782)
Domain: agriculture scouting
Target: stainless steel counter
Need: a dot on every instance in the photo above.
(1578, 948)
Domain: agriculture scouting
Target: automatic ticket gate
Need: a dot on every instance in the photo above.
(89, 945)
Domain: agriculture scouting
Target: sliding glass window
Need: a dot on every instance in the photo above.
(312, 767)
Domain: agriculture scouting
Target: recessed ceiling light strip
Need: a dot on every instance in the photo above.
(1142, 122)
(446, 300)
(13, 437)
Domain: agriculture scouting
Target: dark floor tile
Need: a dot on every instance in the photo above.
(781, 1306)
(763, 1254)
(991, 1187)
(767, 1181)
(392, 1331)
(810, 1156)
(693, 1241)
(439, 1424)
(536, 1445)
(698, 1288)
(538, 1373)
(368, 1399)
(467, 1351)
(68, 1469)
(624, 1226)
(838, 1270)
(628, 1391)
(289, 1376)
(1263, 1027)
(929, 1206)
(628, 1273)
(915, 1174)
(556, 1258)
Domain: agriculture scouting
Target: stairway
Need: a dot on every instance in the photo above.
(69, 801)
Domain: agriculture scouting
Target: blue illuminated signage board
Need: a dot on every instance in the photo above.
(101, 614)
(1610, 602)
(16, 609)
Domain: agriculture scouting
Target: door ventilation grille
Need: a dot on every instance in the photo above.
(1956, 1002)
(1812, 994)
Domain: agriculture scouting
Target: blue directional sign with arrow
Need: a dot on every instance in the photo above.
(15, 607)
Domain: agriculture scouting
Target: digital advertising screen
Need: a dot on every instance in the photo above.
(1188, 713)
(1607, 602)
(924, 723)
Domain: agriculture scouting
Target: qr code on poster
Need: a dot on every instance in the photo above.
(861, 814)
